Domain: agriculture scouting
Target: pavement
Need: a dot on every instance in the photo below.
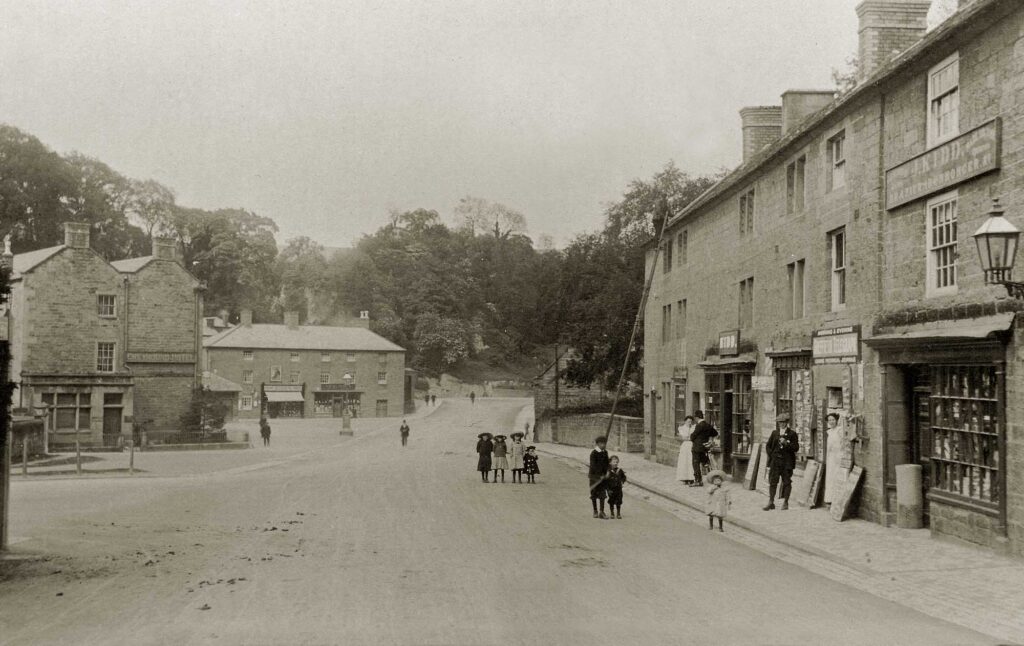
(969, 586)
(330, 540)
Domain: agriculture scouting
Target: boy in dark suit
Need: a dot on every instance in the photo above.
(613, 482)
(598, 470)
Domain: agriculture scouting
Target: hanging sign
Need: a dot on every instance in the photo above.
(836, 345)
(729, 343)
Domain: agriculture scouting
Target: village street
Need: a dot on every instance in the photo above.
(335, 540)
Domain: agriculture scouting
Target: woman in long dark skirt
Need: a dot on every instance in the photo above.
(484, 446)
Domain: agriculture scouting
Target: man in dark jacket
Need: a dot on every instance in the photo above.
(701, 438)
(781, 450)
(598, 470)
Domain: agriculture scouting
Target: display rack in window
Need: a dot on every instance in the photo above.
(965, 425)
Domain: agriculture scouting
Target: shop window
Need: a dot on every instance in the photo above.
(742, 409)
(966, 431)
(247, 355)
(68, 411)
(794, 395)
(795, 274)
(837, 161)
(712, 398)
(944, 101)
(837, 253)
(795, 185)
(106, 306)
(104, 357)
(942, 245)
(747, 213)
(247, 376)
(680, 405)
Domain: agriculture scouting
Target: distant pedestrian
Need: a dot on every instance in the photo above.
(530, 466)
(598, 470)
(719, 499)
(701, 437)
(265, 431)
(472, 397)
(516, 453)
(433, 400)
(404, 431)
(500, 459)
(684, 462)
(527, 433)
(613, 483)
(781, 450)
(484, 446)
(426, 400)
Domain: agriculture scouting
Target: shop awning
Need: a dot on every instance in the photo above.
(979, 328)
(746, 359)
(292, 396)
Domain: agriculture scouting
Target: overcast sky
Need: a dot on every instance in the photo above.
(325, 114)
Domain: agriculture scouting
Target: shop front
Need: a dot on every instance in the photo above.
(944, 408)
(332, 400)
(284, 400)
(728, 403)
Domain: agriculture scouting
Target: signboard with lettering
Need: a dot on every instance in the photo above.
(973, 153)
(729, 343)
(160, 357)
(336, 387)
(836, 345)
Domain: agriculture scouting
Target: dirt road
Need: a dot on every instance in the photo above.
(366, 542)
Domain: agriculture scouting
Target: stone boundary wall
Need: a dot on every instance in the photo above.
(627, 435)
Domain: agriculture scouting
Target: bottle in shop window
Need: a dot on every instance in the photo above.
(937, 445)
(946, 449)
(986, 384)
(965, 388)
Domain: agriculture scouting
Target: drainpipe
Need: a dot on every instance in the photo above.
(198, 335)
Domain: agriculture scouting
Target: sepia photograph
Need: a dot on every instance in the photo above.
(486, 323)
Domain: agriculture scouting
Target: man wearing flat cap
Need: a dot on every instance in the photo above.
(782, 447)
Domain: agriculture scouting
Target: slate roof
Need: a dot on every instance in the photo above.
(219, 384)
(131, 265)
(303, 337)
(26, 262)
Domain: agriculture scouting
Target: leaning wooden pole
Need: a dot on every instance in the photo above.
(666, 215)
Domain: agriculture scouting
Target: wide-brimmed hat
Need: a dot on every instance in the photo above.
(517, 434)
(531, 448)
(500, 437)
(483, 435)
(715, 473)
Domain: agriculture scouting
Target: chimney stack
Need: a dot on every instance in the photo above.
(797, 105)
(291, 319)
(245, 317)
(762, 126)
(165, 248)
(887, 28)
(76, 235)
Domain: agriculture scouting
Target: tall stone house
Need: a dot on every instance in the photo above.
(103, 349)
(846, 279)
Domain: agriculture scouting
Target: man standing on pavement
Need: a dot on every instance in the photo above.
(404, 431)
(701, 438)
(781, 449)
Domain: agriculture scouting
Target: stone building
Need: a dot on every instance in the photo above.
(101, 345)
(848, 282)
(294, 370)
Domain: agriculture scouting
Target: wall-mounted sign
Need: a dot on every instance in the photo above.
(336, 387)
(160, 357)
(971, 154)
(836, 345)
(729, 343)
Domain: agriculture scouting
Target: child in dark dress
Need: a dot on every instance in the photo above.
(598, 471)
(530, 467)
(613, 483)
(484, 446)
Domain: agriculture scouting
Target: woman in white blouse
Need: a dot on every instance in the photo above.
(684, 463)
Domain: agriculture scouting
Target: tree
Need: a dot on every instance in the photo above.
(441, 341)
(847, 79)
(101, 199)
(205, 414)
(478, 214)
(301, 270)
(152, 205)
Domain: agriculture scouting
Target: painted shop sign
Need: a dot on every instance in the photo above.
(160, 357)
(729, 343)
(336, 387)
(973, 153)
(836, 345)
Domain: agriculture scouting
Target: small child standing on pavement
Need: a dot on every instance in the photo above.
(718, 502)
(500, 459)
(613, 482)
(597, 473)
(530, 467)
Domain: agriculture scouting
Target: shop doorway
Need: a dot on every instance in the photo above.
(111, 426)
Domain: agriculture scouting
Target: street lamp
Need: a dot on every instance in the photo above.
(997, 241)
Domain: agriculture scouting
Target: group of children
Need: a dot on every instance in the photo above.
(498, 456)
(606, 480)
